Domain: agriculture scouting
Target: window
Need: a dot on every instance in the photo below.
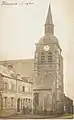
(5, 101)
(10, 66)
(6, 86)
(13, 87)
(23, 89)
(49, 57)
(12, 101)
(42, 56)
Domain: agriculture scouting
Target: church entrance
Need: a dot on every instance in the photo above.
(18, 105)
(36, 101)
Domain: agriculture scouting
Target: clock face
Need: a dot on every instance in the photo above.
(46, 48)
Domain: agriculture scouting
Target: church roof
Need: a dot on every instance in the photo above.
(49, 17)
(48, 38)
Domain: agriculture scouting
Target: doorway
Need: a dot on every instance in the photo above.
(18, 105)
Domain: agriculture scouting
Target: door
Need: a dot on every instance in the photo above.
(18, 105)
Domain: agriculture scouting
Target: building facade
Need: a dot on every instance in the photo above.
(48, 66)
(15, 92)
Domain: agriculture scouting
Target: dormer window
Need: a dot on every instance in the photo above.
(49, 57)
(42, 57)
(10, 66)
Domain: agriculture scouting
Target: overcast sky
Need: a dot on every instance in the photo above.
(22, 26)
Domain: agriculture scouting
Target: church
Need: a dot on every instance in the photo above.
(48, 67)
(45, 71)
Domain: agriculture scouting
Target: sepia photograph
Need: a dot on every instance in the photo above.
(36, 59)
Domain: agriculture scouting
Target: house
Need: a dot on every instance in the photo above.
(15, 92)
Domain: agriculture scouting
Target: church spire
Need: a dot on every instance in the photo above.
(49, 26)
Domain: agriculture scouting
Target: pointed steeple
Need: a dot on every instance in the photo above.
(49, 26)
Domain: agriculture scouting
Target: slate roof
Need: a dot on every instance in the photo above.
(25, 67)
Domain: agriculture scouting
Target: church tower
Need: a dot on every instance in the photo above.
(48, 68)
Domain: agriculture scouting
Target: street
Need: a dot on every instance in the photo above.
(29, 116)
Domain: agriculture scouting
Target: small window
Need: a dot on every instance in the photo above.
(5, 101)
(49, 57)
(23, 89)
(6, 86)
(10, 66)
(12, 101)
(42, 56)
(13, 86)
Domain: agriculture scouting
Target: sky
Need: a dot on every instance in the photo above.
(22, 26)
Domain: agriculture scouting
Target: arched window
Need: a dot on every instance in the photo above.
(12, 101)
(49, 57)
(42, 56)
